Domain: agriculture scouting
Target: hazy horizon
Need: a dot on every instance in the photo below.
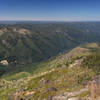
(50, 10)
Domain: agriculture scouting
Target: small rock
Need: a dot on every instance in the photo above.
(44, 81)
(4, 62)
(52, 89)
(74, 98)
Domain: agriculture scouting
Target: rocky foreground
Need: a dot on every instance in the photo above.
(71, 76)
(93, 87)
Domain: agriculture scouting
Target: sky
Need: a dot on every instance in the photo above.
(50, 10)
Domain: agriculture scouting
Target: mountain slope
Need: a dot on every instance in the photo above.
(27, 43)
(65, 75)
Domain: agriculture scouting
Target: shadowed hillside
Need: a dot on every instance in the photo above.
(27, 43)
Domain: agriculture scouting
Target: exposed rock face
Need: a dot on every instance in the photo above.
(21, 94)
(70, 96)
(59, 98)
(4, 62)
(44, 81)
(3, 30)
(23, 31)
(17, 95)
(94, 88)
(74, 98)
(64, 98)
(51, 89)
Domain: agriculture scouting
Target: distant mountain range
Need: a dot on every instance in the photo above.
(32, 42)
